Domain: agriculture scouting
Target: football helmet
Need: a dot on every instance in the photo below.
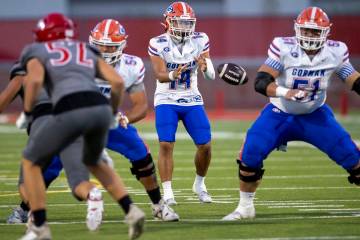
(109, 33)
(54, 26)
(312, 28)
(180, 21)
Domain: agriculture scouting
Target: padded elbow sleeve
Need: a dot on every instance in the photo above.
(262, 80)
(356, 86)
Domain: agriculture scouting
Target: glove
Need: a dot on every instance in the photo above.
(23, 121)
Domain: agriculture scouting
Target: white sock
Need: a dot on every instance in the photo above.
(246, 199)
(200, 184)
(168, 192)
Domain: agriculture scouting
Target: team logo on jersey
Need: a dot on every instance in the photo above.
(294, 54)
(166, 49)
(308, 73)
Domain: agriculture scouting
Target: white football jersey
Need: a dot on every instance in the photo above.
(183, 91)
(131, 69)
(299, 71)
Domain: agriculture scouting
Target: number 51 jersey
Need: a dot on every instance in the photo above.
(70, 66)
(299, 71)
(183, 91)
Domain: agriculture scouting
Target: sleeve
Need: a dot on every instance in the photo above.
(153, 48)
(27, 54)
(136, 88)
(17, 70)
(137, 76)
(274, 55)
(139, 71)
(205, 43)
(345, 68)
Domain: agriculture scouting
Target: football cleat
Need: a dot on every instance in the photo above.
(37, 233)
(95, 209)
(241, 213)
(204, 197)
(135, 219)
(18, 216)
(202, 193)
(163, 212)
(170, 202)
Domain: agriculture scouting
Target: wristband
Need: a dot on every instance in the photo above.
(171, 75)
(281, 91)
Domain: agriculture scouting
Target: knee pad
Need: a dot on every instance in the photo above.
(143, 168)
(258, 173)
(354, 177)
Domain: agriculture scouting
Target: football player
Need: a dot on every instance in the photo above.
(79, 110)
(295, 77)
(109, 37)
(78, 180)
(176, 57)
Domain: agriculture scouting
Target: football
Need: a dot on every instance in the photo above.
(232, 74)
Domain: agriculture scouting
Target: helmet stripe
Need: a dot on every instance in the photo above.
(313, 14)
(184, 8)
(107, 26)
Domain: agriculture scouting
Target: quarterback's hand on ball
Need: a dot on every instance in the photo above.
(201, 63)
(23, 121)
(296, 95)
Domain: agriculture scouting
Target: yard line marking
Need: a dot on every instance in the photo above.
(294, 238)
(329, 209)
(306, 206)
(183, 136)
(8, 193)
(209, 220)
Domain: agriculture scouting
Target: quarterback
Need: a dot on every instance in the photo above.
(176, 57)
(295, 77)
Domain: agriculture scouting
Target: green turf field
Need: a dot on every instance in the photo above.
(303, 195)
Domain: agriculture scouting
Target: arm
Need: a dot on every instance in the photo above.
(161, 72)
(10, 92)
(206, 66)
(33, 82)
(265, 84)
(109, 74)
(353, 81)
(139, 106)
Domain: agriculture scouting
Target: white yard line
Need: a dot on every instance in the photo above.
(295, 238)
(271, 219)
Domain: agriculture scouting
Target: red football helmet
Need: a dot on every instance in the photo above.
(109, 32)
(180, 21)
(54, 26)
(312, 28)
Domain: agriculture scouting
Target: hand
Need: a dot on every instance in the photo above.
(201, 63)
(177, 72)
(296, 94)
(123, 120)
(23, 121)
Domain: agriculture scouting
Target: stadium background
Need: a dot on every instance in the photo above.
(239, 30)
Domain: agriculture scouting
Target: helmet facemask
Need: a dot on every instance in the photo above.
(310, 36)
(181, 28)
(109, 57)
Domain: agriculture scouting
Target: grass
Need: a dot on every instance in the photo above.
(304, 195)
